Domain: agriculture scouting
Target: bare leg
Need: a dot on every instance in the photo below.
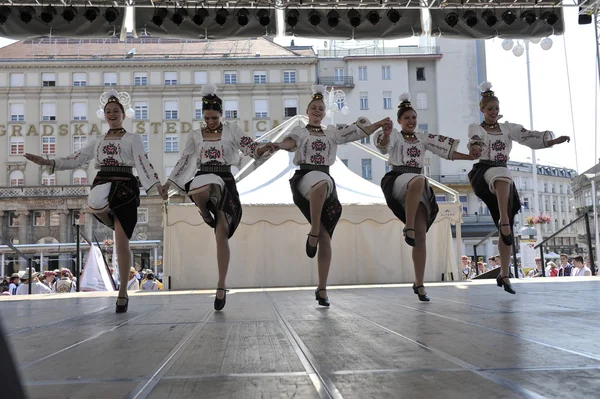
(318, 195)
(413, 198)
(124, 259)
(201, 199)
(324, 260)
(502, 192)
(105, 219)
(419, 251)
(504, 251)
(223, 254)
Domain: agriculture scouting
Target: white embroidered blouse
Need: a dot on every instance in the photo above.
(126, 151)
(496, 146)
(198, 152)
(322, 149)
(404, 153)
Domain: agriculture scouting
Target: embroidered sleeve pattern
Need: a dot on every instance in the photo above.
(531, 138)
(75, 160)
(146, 173)
(441, 145)
(248, 146)
(477, 136)
(349, 133)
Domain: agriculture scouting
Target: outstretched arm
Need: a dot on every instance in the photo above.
(559, 140)
(288, 144)
(460, 156)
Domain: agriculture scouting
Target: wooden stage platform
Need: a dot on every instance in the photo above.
(472, 340)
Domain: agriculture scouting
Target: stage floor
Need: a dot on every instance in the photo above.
(472, 340)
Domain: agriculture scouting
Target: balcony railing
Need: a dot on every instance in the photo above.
(44, 191)
(378, 51)
(340, 81)
(451, 179)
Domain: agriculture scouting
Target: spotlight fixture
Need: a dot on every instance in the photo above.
(509, 17)
(221, 16)
(314, 17)
(394, 16)
(4, 14)
(111, 14)
(354, 17)
(179, 16)
(489, 18)
(264, 17)
(69, 13)
(200, 15)
(91, 13)
(470, 18)
(243, 17)
(373, 17)
(26, 14)
(333, 18)
(550, 17)
(47, 14)
(451, 19)
(584, 18)
(159, 16)
(529, 17)
(292, 17)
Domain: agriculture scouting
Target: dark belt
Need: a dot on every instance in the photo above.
(492, 163)
(319, 168)
(116, 169)
(406, 169)
(215, 168)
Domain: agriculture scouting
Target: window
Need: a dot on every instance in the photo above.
(13, 220)
(420, 73)
(49, 145)
(200, 77)
(144, 138)
(423, 127)
(171, 111)
(17, 79)
(79, 111)
(364, 100)
(140, 79)
(48, 179)
(554, 207)
(362, 73)
(545, 187)
(142, 215)
(54, 219)
(141, 110)
(79, 79)
(561, 189)
(525, 203)
(463, 202)
(17, 178)
(260, 77)
(48, 79)
(261, 108)
(562, 204)
(289, 76)
(171, 143)
(170, 78)
(387, 100)
(546, 204)
(39, 218)
(385, 73)
(48, 111)
(338, 75)
(365, 140)
(110, 78)
(17, 112)
(80, 177)
(17, 145)
(341, 103)
(79, 142)
(231, 109)
(366, 168)
(290, 107)
(345, 162)
(553, 188)
(230, 77)
(198, 110)
(422, 101)
(440, 198)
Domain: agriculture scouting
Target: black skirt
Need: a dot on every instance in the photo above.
(123, 198)
(332, 208)
(230, 201)
(387, 185)
(482, 190)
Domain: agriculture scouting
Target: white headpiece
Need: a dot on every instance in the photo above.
(404, 101)
(208, 89)
(485, 86)
(121, 96)
(318, 92)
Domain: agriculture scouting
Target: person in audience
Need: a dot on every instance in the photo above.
(150, 284)
(36, 286)
(552, 269)
(133, 284)
(580, 269)
(65, 283)
(565, 267)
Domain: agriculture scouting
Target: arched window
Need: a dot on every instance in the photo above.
(48, 179)
(80, 177)
(17, 178)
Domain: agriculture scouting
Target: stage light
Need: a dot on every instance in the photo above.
(509, 17)
(111, 14)
(489, 18)
(373, 17)
(550, 17)
(4, 14)
(26, 14)
(314, 17)
(47, 14)
(69, 13)
(529, 17)
(221, 17)
(91, 13)
(242, 17)
(546, 44)
(394, 16)
(451, 19)
(584, 19)
(159, 16)
(264, 17)
(292, 17)
(179, 16)
(470, 18)
(518, 50)
(333, 18)
(354, 17)
(507, 44)
(200, 15)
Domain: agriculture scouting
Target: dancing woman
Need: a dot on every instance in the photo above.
(313, 188)
(491, 180)
(406, 190)
(204, 173)
(115, 194)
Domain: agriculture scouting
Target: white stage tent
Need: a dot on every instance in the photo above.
(267, 250)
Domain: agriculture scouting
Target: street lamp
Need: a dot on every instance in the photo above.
(335, 101)
(518, 51)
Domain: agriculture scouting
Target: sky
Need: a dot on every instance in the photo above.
(551, 100)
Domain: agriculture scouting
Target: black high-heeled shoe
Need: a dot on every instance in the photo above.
(121, 308)
(507, 239)
(507, 287)
(310, 250)
(422, 298)
(410, 241)
(220, 303)
(322, 301)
